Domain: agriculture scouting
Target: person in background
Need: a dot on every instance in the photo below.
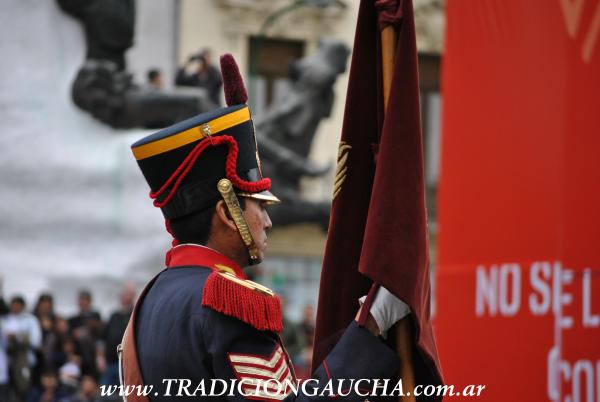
(44, 312)
(86, 328)
(307, 328)
(44, 308)
(23, 336)
(49, 391)
(154, 80)
(3, 306)
(292, 336)
(69, 375)
(308, 324)
(86, 312)
(199, 71)
(4, 387)
(113, 334)
(53, 345)
(88, 391)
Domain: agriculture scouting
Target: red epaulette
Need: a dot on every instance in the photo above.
(245, 300)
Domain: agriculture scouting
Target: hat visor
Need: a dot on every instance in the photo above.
(265, 196)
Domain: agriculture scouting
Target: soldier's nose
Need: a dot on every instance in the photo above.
(268, 223)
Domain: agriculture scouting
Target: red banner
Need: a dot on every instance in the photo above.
(518, 280)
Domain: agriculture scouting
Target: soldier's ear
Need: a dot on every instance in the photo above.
(224, 216)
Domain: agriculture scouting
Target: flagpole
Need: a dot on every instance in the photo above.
(388, 50)
(402, 329)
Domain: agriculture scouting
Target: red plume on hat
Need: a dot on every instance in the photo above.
(233, 84)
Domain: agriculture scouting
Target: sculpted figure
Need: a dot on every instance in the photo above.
(286, 131)
(104, 88)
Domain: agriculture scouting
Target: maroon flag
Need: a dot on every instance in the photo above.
(378, 227)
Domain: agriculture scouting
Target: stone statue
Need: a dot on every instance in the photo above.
(104, 88)
(286, 131)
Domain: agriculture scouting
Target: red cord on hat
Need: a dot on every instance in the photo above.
(230, 170)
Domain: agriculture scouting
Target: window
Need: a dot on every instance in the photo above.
(268, 65)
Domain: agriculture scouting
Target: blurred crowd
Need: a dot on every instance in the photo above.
(45, 357)
(298, 339)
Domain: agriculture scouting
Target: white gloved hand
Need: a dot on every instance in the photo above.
(387, 309)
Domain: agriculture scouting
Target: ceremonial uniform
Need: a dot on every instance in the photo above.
(200, 319)
(181, 335)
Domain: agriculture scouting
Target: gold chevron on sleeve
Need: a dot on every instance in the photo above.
(340, 171)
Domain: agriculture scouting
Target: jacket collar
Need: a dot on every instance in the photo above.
(195, 254)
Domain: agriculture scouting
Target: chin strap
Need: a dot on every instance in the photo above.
(235, 210)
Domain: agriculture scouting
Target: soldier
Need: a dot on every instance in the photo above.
(200, 319)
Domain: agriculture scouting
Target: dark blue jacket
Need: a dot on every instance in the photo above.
(180, 339)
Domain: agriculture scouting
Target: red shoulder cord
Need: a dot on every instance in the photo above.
(230, 171)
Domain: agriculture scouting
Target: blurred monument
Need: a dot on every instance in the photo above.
(285, 132)
(104, 88)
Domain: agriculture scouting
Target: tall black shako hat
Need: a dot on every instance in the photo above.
(185, 164)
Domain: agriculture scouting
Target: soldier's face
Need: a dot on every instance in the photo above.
(258, 222)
